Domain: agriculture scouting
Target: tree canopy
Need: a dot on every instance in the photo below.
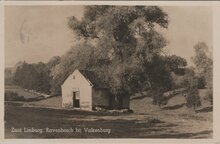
(121, 44)
(203, 62)
(33, 77)
(126, 40)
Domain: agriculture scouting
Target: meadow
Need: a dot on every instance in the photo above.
(173, 120)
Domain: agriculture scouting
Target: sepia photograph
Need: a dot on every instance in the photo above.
(108, 71)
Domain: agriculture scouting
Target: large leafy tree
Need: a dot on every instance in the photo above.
(127, 41)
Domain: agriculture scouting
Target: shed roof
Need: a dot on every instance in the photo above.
(93, 77)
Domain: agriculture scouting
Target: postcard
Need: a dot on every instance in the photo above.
(110, 70)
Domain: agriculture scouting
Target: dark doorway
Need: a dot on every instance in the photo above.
(76, 99)
(120, 102)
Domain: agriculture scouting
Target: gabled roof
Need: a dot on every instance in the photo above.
(93, 78)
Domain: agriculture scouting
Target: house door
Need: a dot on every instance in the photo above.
(76, 99)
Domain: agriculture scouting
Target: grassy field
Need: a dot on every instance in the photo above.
(21, 92)
(148, 121)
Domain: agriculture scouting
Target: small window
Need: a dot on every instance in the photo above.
(73, 76)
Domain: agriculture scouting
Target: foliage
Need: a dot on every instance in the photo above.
(13, 96)
(33, 77)
(79, 57)
(201, 82)
(126, 38)
(192, 94)
(158, 98)
(121, 44)
(8, 76)
(55, 60)
(192, 98)
(204, 63)
(204, 67)
(210, 96)
(178, 80)
(176, 64)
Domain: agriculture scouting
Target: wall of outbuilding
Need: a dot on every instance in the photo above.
(101, 98)
(90, 97)
(79, 83)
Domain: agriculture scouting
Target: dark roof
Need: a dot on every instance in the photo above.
(93, 78)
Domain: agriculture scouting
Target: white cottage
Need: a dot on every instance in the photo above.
(84, 90)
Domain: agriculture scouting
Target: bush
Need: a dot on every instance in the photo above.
(192, 94)
(209, 96)
(201, 83)
(13, 96)
(193, 101)
(158, 98)
(10, 94)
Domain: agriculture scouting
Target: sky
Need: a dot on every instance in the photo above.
(36, 33)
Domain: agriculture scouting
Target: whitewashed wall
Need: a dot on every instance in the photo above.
(78, 84)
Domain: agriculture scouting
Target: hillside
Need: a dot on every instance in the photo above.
(148, 121)
(177, 113)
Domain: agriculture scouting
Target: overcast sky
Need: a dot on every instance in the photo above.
(36, 33)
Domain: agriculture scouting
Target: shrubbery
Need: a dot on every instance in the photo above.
(158, 98)
(201, 82)
(209, 96)
(192, 93)
(13, 96)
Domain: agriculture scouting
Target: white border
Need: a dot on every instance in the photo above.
(164, 3)
(216, 54)
(216, 70)
(2, 61)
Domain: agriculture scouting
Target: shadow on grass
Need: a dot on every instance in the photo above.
(139, 97)
(121, 127)
(174, 107)
(144, 96)
(205, 109)
(56, 112)
(171, 96)
(202, 134)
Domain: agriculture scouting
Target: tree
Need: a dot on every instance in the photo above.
(43, 81)
(8, 76)
(81, 56)
(55, 60)
(192, 93)
(176, 64)
(203, 63)
(26, 76)
(127, 39)
(192, 97)
(33, 77)
(204, 67)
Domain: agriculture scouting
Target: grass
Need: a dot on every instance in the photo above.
(21, 92)
(49, 102)
(148, 121)
(122, 126)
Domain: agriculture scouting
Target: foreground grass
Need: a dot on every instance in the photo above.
(148, 121)
(121, 126)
